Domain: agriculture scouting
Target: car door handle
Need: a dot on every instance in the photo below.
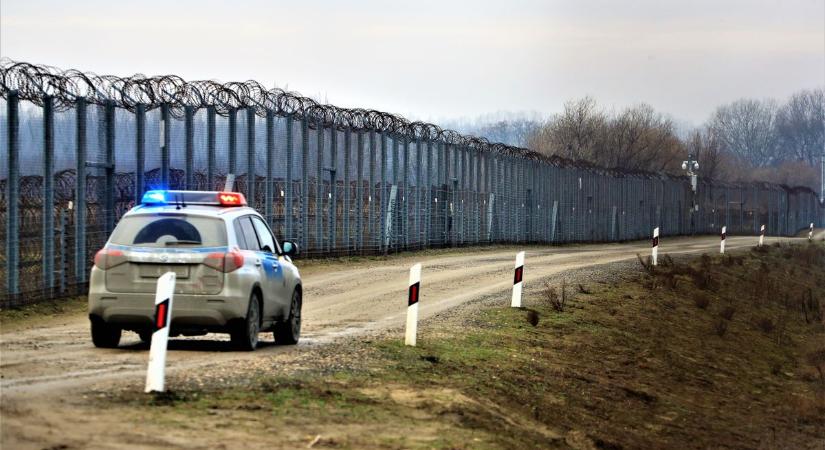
(274, 265)
(257, 262)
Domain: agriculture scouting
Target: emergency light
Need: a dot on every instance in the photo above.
(183, 198)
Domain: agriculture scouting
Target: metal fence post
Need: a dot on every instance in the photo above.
(140, 149)
(333, 187)
(48, 195)
(233, 141)
(347, 189)
(250, 157)
(13, 196)
(383, 204)
(370, 187)
(64, 249)
(165, 131)
(428, 196)
(319, 188)
(417, 198)
(189, 137)
(304, 183)
(270, 156)
(210, 147)
(109, 195)
(359, 193)
(80, 190)
(288, 192)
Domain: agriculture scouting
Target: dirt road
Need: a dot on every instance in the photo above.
(340, 300)
(48, 367)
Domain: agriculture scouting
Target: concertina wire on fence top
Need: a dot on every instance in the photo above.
(326, 222)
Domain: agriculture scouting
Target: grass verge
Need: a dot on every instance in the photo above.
(715, 351)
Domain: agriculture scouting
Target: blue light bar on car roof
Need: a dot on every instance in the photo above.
(164, 197)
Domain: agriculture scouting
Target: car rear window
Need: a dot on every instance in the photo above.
(169, 231)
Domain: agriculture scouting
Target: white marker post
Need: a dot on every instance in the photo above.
(811, 233)
(518, 280)
(761, 235)
(655, 246)
(722, 243)
(412, 305)
(155, 374)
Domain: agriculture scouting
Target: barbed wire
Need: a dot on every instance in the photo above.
(34, 82)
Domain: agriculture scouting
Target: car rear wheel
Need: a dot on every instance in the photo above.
(289, 331)
(245, 335)
(104, 335)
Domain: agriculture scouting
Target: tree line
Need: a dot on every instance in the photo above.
(745, 140)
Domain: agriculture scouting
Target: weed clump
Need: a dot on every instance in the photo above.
(647, 264)
(557, 301)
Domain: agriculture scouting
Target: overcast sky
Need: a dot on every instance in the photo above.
(437, 60)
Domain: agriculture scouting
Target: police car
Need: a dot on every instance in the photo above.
(232, 275)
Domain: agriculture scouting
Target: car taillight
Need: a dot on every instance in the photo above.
(225, 262)
(108, 258)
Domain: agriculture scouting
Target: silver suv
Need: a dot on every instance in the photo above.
(232, 274)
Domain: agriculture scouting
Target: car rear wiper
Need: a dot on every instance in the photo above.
(181, 242)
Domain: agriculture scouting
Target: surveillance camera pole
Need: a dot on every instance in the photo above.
(691, 166)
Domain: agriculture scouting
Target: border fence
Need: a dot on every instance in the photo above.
(78, 149)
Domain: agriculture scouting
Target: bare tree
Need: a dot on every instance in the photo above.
(745, 128)
(573, 133)
(716, 163)
(800, 126)
(639, 138)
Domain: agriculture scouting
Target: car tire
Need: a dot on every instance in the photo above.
(245, 335)
(289, 331)
(104, 335)
(145, 336)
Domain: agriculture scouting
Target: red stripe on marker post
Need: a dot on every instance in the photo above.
(518, 281)
(161, 318)
(412, 297)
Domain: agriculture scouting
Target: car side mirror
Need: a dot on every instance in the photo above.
(267, 249)
(290, 248)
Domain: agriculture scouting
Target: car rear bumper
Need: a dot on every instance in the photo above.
(136, 311)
